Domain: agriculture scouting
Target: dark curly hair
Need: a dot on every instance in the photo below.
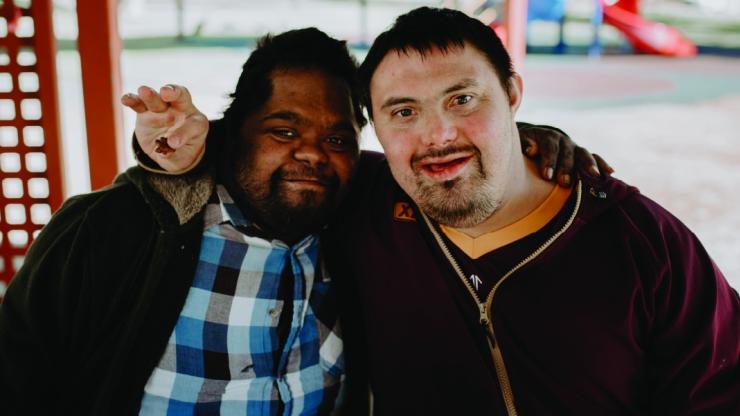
(307, 48)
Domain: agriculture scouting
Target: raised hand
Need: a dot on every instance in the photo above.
(169, 128)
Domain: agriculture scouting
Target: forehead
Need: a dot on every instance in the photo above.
(412, 68)
(312, 87)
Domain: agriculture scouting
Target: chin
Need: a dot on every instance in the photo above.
(457, 210)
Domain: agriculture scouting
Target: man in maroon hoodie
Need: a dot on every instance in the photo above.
(486, 290)
(483, 289)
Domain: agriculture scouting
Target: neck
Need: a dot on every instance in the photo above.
(524, 193)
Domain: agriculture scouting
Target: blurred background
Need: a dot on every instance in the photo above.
(651, 85)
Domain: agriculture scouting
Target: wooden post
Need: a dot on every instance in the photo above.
(100, 46)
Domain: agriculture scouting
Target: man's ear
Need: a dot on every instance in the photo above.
(516, 87)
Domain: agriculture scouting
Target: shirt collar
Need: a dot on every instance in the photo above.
(221, 209)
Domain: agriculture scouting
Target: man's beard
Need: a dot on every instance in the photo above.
(290, 214)
(461, 202)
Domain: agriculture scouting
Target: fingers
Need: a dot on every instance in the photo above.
(193, 131)
(548, 150)
(565, 164)
(529, 146)
(603, 166)
(133, 102)
(585, 159)
(178, 97)
(155, 120)
(152, 99)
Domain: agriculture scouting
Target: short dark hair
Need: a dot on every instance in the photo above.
(307, 48)
(426, 28)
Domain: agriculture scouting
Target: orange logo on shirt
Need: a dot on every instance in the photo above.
(402, 211)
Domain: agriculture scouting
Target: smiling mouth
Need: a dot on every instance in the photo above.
(307, 182)
(316, 181)
(446, 168)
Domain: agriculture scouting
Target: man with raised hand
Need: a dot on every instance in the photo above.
(205, 294)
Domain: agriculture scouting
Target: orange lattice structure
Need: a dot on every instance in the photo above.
(30, 163)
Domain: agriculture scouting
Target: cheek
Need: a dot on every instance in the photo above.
(480, 126)
(486, 133)
(269, 160)
(398, 145)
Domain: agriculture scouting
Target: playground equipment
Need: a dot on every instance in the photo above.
(644, 35)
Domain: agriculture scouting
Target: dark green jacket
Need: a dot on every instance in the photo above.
(88, 316)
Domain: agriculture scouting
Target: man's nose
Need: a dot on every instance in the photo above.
(440, 131)
(310, 152)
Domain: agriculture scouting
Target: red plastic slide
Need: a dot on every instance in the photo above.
(644, 35)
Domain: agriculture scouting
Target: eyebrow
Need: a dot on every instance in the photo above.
(286, 116)
(465, 83)
(296, 118)
(397, 100)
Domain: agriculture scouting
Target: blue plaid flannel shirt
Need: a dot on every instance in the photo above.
(220, 357)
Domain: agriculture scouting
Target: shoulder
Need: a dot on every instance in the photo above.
(123, 197)
(657, 225)
(119, 202)
(110, 199)
(609, 197)
(653, 233)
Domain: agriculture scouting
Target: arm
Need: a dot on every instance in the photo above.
(696, 340)
(693, 331)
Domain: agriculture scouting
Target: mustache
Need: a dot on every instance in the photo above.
(442, 152)
(305, 173)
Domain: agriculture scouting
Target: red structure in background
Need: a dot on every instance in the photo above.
(515, 22)
(30, 159)
(31, 171)
(644, 35)
(100, 50)
(512, 29)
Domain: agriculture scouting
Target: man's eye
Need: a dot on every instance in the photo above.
(338, 142)
(403, 113)
(284, 133)
(463, 99)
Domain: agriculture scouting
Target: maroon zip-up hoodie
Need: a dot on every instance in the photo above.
(623, 314)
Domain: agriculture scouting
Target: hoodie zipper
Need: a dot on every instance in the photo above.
(484, 308)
